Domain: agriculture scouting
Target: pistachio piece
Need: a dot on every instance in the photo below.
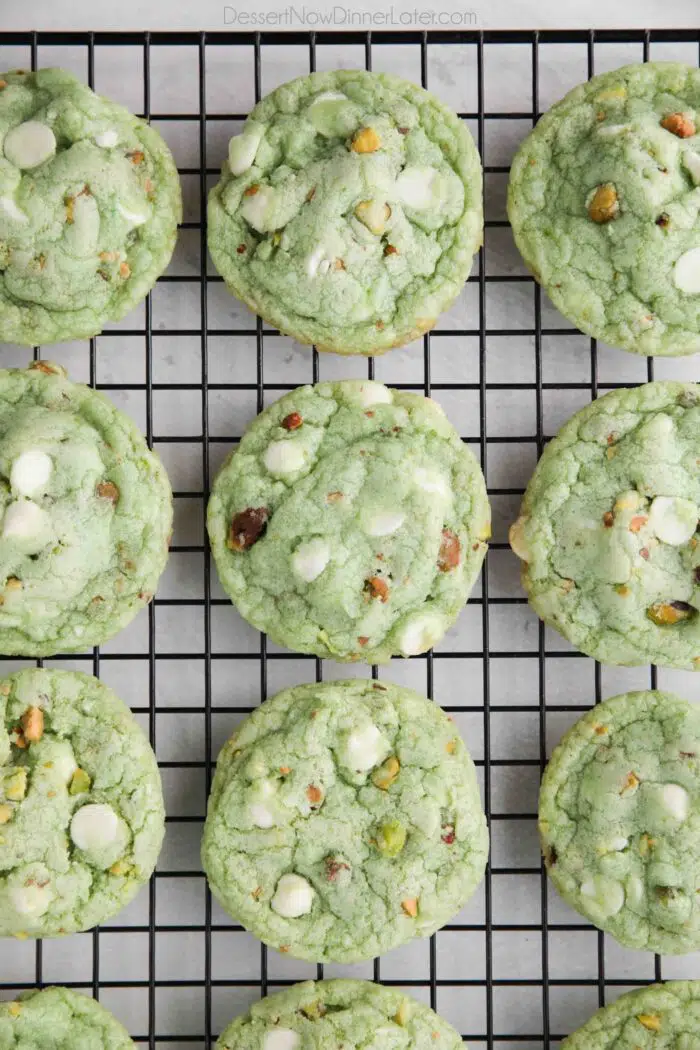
(448, 555)
(366, 140)
(247, 527)
(604, 204)
(16, 784)
(665, 614)
(80, 782)
(403, 1013)
(292, 422)
(387, 773)
(652, 1022)
(630, 785)
(33, 724)
(107, 490)
(374, 215)
(679, 124)
(5, 813)
(376, 587)
(391, 838)
(410, 906)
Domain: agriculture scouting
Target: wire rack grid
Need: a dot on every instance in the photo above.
(515, 968)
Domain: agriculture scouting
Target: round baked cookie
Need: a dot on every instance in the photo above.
(81, 804)
(85, 514)
(348, 210)
(603, 201)
(89, 206)
(61, 1019)
(608, 529)
(344, 819)
(350, 522)
(348, 1013)
(619, 817)
(662, 1016)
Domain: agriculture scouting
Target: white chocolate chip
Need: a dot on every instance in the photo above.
(281, 1039)
(310, 558)
(285, 457)
(94, 826)
(63, 762)
(30, 472)
(606, 894)
(618, 844)
(324, 110)
(135, 218)
(31, 900)
(516, 538)
(257, 207)
(373, 393)
(261, 815)
(429, 481)
(415, 186)
(293, 897)
(686, 272)
(23, 518)
(673, 520)
(419, 634)
(384, 522)
(10, 210)
(691, 162)
(242, 148)
(365, 749)
(317, 262)
(29, 144)
(107, 139)
(675, 800)
(611, 130)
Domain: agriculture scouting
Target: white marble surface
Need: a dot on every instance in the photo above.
(210, 14)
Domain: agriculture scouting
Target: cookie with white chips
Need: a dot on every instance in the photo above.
(618, 818)
(353, 1014)
(351, 522)
(81, 804)
(89, 207)
(344, 820)
(348, 210)
(85, 514)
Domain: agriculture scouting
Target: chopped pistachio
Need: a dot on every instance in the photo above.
(391, 838)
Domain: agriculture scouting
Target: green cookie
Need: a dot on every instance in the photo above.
(356, 1015)
(619, 811)
(85, 515)
(81, 805)
(60, 1019)
(659, 1017)
(608, 528)
(348, 211)
(350, 522)
(89, 206)
(344, 820)
(604, 204)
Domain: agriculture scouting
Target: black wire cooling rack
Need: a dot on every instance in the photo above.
(512, 1009)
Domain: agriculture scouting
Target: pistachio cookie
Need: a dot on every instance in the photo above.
(618, 819)
(62, 1020)
(85, 514)
(662, 1016)
(603, 201)
(348, 211)
(344, 820)
(348, 1013)
(350, 522)
(608, 529)
(81, 805)
(89, 206)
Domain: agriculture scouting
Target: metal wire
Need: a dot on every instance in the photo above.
(492, 1033)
